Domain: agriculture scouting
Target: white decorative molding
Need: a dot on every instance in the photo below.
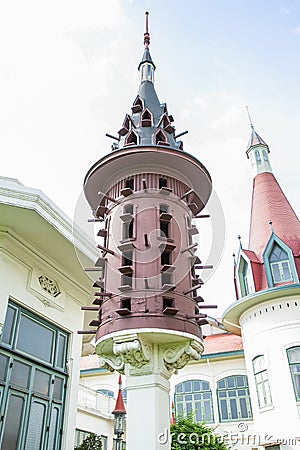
(1, 328)
(111, 362)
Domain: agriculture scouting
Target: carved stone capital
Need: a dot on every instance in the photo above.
(178, 355)
(135, 352)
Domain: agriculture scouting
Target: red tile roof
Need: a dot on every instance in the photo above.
(89, 362)
(216, 343)
(222, 343)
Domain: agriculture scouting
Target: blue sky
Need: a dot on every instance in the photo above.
(68, 75)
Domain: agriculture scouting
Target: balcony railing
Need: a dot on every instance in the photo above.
(95, 402)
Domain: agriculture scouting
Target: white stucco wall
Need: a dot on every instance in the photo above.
(269, 329)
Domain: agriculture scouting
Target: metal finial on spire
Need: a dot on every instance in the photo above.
(234, 260)
(146, 34)
(251, 124)
(271, 225)
(240, 239)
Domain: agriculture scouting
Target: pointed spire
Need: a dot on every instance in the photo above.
(147, 66)
(146, 34)
(150, 122)
(257, 151)
(120, 407)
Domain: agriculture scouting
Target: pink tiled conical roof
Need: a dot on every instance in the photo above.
(270, 204)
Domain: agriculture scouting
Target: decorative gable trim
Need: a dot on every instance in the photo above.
(242, 289)
(274, 239)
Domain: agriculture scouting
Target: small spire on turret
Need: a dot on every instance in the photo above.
(257, 151)
(146, 66)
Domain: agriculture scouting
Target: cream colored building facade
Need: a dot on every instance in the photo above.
(50, 396)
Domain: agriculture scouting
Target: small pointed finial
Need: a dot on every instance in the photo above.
(120, 382)
(234, 260)
(146, 34)
(251, 124)
(271, 225)
(240, 239)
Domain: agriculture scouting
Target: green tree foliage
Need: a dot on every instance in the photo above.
(187, 434)
(92, 442)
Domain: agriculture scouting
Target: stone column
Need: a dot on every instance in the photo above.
(148, 360)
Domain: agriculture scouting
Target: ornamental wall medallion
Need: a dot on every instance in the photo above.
(49, 285)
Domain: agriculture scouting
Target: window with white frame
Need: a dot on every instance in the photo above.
(245, 278)
(262, 381)
(294, 363)
(234, 398)
(280, 265)
(194, 397)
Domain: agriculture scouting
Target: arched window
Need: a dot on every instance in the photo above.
(194, 396)
(280, 265)
(262, 381)
(107, 392)
(294, 362)
(234, 398)
(257, 157)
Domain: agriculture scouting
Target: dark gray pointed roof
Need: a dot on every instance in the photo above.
(148, 94)
(146, 58)
(149, 124)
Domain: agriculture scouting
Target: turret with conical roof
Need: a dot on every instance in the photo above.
(267, 310)
(273, 254)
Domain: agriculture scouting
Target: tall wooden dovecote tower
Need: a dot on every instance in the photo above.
(144, 195)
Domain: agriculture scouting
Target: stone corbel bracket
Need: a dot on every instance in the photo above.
(135, 352)
(178, 355)
(129, 349)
